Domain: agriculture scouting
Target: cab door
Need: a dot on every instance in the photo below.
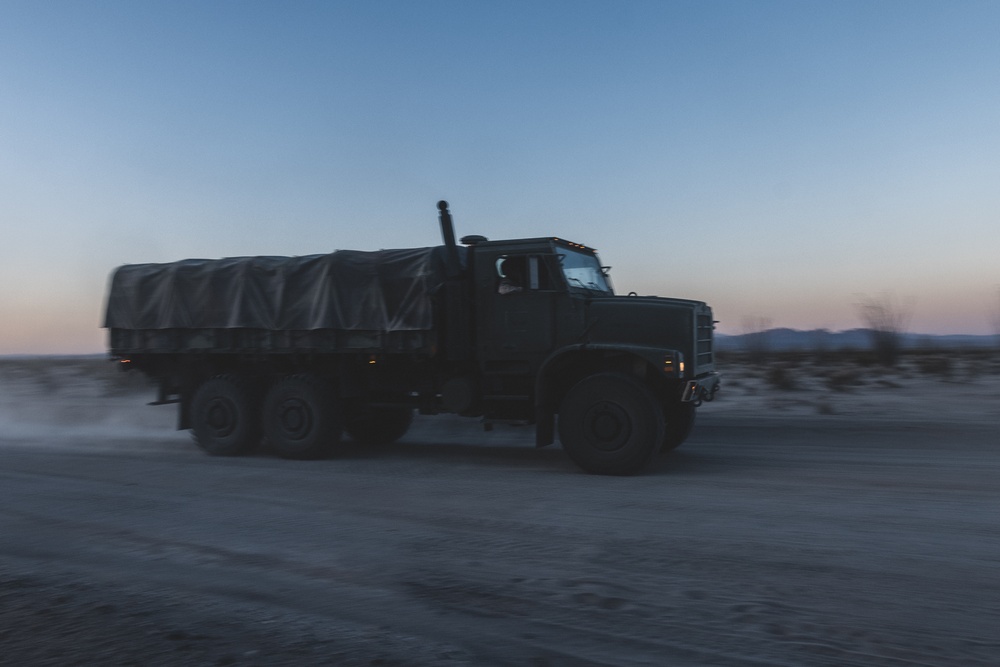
(516, 325)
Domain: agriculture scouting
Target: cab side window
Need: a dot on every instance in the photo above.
(511, 274)
(519, 273)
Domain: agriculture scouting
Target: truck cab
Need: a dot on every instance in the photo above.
(546, 319)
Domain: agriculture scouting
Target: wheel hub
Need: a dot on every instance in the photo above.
(295, 418)
(221, 417)
(608, 426)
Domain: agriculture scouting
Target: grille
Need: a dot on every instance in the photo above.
(704, 340)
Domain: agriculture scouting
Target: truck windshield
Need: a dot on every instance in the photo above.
(582, 270)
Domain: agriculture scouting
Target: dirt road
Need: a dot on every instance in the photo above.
(799, 540)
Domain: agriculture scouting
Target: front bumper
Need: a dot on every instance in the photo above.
(702, 388)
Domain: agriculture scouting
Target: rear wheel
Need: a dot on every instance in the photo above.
(379, 426)
(302, 418)
(680, 421)
(224, 416)
(611, 424)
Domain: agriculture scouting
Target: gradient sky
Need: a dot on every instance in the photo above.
(775, 159)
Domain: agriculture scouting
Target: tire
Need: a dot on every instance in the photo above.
(680, 419)
(302, 418)
(224, 416)
(379, 426)
(611, 424)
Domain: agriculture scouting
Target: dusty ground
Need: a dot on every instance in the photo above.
(818, 516)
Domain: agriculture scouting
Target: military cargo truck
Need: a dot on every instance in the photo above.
(296, 351)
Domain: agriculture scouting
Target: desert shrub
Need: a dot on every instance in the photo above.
(843, 379)
(796, 358)
(729, 358)
(979, 362)
(886, 320)
(860, 358)
(937, 364)
(779, 377)
(825, 356)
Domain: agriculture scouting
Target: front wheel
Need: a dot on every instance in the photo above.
(611, 424)
(302, 418)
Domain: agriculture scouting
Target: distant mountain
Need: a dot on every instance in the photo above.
(782, 339)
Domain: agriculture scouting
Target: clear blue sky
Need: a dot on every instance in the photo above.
(776, 159)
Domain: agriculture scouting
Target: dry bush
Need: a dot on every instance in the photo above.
(886, 318)
(843, 379)
(940, 365)
(779, 377)
(796, 358)
(848, 356)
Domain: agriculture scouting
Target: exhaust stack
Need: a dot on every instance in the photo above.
(452, 264)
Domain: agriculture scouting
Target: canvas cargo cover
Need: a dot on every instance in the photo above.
(385, 290)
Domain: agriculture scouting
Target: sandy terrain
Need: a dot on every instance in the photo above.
(819, 515)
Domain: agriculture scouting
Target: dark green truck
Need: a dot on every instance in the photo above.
(295, 351)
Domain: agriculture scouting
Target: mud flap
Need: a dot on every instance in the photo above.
(545, 427)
